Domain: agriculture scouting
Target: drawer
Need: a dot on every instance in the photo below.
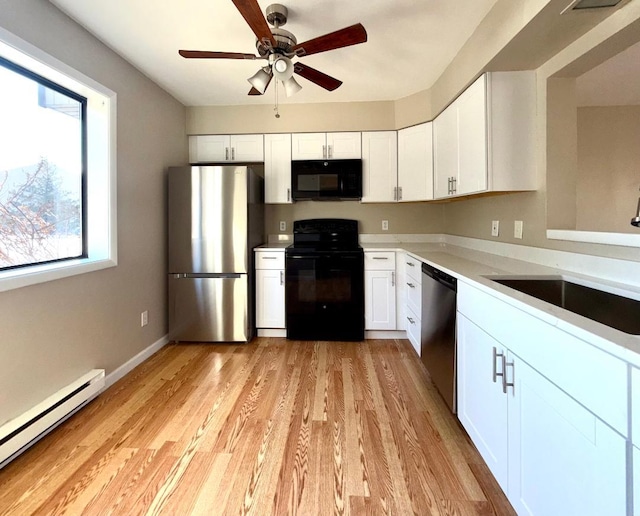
(413, 268)
(414, 295)
(412, 324)
(591, 376)
(270, 260)
(380, 261)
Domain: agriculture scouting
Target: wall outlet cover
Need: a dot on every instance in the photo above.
(385, 225)
(283, 225)
(495, 228)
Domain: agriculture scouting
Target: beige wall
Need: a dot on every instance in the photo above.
(53, 332)
(608, 168)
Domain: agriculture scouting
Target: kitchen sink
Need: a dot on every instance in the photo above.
(619, 312)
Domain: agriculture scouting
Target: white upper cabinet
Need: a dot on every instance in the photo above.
(326, 146)
(485, 140)
(277, 168)
(415, 163)
(213, 148)
(379, 166)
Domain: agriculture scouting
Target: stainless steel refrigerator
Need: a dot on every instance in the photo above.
(215, 219)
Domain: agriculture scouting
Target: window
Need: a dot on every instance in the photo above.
(42, 170)
(57, 168)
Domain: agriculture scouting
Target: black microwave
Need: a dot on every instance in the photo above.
(326, 180)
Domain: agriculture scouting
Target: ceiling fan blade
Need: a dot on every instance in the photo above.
(251, 12)
(321, 79)
(203, 54)
(338, 39)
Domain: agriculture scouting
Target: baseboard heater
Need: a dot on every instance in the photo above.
(23, 431)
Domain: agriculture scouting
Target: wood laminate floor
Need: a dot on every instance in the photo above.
(271, 427)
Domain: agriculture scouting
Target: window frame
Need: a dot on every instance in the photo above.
(47, 83)
(100, 175)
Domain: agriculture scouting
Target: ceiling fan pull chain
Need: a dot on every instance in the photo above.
(276, 106)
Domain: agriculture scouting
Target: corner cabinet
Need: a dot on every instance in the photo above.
(379, 290)
(379, 166)
(214, 148)
(546, 417)
(326, 146)
(485, 140)
(270, 304)
(415, 163)
(277, 168)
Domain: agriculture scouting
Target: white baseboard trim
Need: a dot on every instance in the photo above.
(271, 332)
(385, 334)
(131, 364)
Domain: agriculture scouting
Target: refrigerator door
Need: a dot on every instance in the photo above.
(208, 226)
(209, 308)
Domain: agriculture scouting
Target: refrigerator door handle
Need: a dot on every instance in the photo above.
(191, 275)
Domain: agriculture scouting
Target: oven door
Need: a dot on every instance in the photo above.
(324, 296)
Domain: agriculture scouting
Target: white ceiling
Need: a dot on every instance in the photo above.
(410, 43)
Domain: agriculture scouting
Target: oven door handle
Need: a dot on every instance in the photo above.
(315, 256)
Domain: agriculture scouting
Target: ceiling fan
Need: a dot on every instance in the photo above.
(278, 47)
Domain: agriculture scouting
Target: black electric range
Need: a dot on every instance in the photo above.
(324, 289)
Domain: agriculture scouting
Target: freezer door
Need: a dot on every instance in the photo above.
(207, 219)
(209, 309)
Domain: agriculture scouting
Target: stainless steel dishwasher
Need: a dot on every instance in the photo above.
(438, 336)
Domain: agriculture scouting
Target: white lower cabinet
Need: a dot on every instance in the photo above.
(379, 290)
(636, 483)
(482, 405)
(413, 301)
(549, 452)
(270, 307)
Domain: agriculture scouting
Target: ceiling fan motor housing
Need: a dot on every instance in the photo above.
(277, 16)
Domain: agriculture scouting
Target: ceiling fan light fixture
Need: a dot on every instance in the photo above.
(261, 79)
(291, 87)
(282, 68)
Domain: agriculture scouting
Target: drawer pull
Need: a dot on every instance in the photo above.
(269, 257)
(380, 258)
(411, 320)
(410, 264)
(411, 285)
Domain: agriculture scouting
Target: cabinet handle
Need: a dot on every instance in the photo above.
(324, 151)
(506, 383)
(399, 193)
(330, 151)
(448, 186)
(380, 258)
(410, 264)
(411, 285)
(454, 184)
(233, 153)
(411, 320)
(226, 153)
(495, 364)
(393, 279)
(288, 194)
(281, 277)
(268, 258)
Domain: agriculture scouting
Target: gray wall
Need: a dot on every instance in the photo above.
(52, 333)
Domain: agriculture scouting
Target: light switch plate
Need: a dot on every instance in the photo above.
(517, 229)
(495, 227)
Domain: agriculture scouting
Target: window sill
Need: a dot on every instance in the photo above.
(18, 278)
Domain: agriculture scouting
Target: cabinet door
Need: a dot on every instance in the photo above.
(636, 483)
(344, 145)
(308, 146)
(379, 166)
(482, 404)
(277, 168)
(472, 138)
(415, 163)
(209, 148)
(270, 311)
(562, 459)
(247, 147)
(445, 152)
(379, 300)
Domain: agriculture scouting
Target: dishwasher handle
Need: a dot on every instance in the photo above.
(441, 277)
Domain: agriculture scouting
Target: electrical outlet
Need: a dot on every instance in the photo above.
(385, 225)
(495, 227)
(283, 225)
(517, 229)
(144, 318)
